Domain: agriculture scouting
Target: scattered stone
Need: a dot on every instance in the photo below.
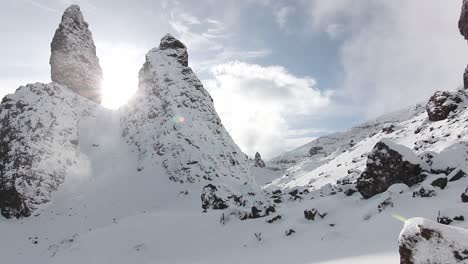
(316, 151)
(385, 204)
(388, 129)
(311, 214)
(387, 164)
(464, 196)
(274, 219)
(456, 175)
(290, 232)
(447, 216)
(425, 191)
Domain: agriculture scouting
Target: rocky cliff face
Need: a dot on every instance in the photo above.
(38, 144)
(73, 61)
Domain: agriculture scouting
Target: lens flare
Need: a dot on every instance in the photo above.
(399, 218)
(181, 119)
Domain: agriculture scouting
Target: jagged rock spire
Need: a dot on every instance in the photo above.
(463, 27)
(73, 61)
(258, 160)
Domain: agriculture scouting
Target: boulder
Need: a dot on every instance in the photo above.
(73, 61)
(388, 164)
(441, 104)
(423, 241)
(464, 196)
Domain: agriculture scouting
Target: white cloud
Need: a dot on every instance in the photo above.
(395, 53)
(255, 103)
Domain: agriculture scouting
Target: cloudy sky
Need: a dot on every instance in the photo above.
(280, 72)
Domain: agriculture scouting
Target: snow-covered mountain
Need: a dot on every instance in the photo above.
(161, 181)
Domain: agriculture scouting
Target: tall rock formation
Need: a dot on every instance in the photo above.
(172, 121)
(463, 27)
(38, 144)
(73, 61)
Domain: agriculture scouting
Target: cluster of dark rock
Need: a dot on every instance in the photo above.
(390, 163)
(258, 160)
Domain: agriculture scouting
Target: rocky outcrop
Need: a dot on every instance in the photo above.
(423, 241)
(258, 161)
(38, 145)
(441, 104)
(172, 121)
(388, 164)
(463, 21)
(73, 61)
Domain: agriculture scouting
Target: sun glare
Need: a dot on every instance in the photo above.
(120, 64)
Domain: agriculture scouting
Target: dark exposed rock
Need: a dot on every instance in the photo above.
(388, 129)
(440, 182)
(385, 204)
(424, 241)
(456, 175)
(441, 104)
(311, 214)
(446, 217)
(73, 61)
(258, 161)
(387, 164)
(290, 232)
(425, 191)
(464, 196)
(168, 42)
(274, 219)
(316, 150)
(463, 21)
(210, 199)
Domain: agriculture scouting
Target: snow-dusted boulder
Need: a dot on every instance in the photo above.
(73, 61)
(38, 144)
(423, 241)
(441, 104)
(388, 164)
(258, 161)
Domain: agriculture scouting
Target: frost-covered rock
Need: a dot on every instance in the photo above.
(423, 241)
(387, 164)
(38, 144)
(258, 161)
(172, 120)
(73, 61)
(441, 104)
